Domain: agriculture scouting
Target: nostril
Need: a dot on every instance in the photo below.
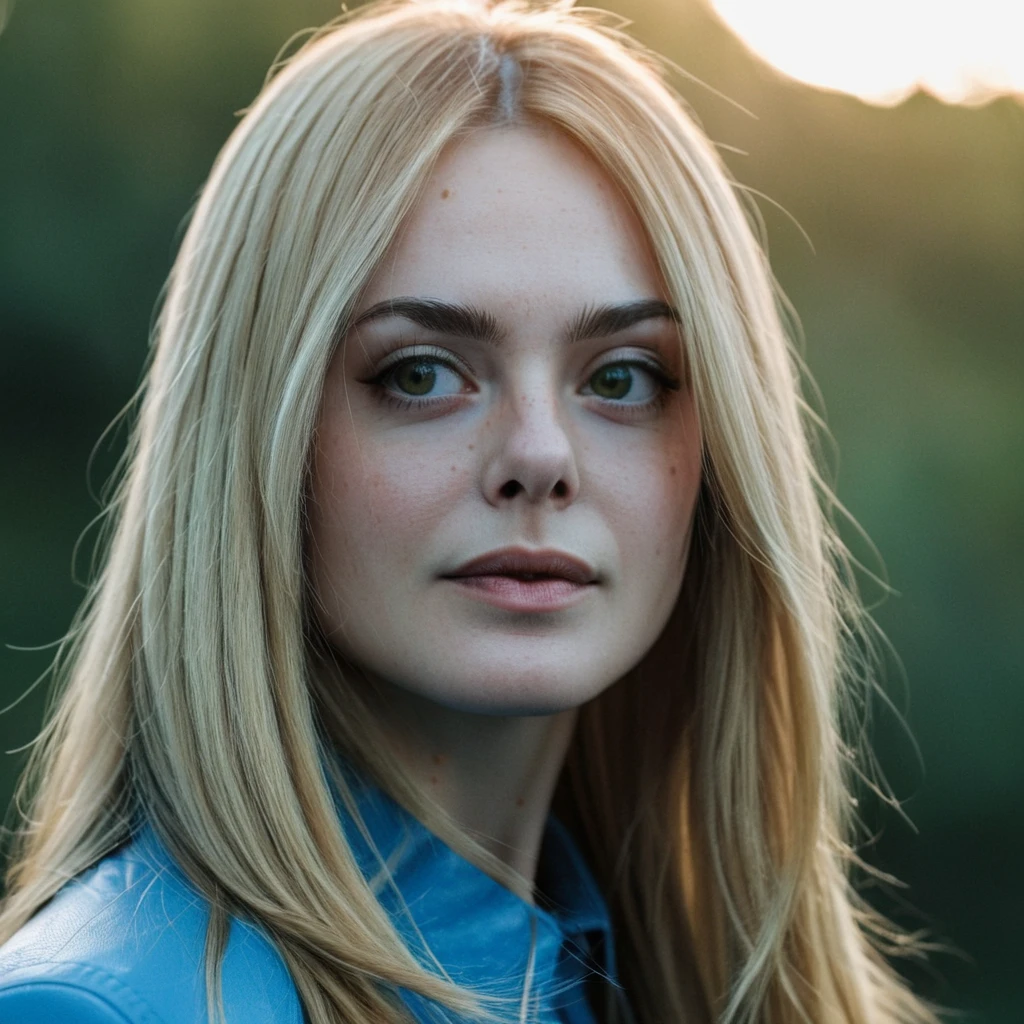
(560, 489)
(511, 489)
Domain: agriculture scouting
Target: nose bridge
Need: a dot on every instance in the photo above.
(533, 451)
(534, 402)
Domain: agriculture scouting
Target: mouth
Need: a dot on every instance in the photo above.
(528, 566)
(517, 579)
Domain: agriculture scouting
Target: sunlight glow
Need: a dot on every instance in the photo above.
(882, 50)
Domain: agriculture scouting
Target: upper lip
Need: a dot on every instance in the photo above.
(521, 561)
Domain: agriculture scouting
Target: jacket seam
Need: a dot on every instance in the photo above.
(116, 989)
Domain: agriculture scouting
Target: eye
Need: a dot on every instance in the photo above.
(415, 378)
(627, 382)
(423, 376)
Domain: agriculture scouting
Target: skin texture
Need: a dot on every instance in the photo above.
(520, 442)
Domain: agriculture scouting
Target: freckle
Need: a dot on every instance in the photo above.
(453, 469)
(672, 470)
(471, 447)
(433, 780)
(445, 193)
(520, 802)
(439, 759)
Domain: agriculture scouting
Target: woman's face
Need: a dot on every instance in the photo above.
(512, 388)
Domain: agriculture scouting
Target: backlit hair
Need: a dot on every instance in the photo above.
(709, 787)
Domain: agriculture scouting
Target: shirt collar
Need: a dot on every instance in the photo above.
(454, 916)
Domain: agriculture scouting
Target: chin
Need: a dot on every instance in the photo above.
(545, 691)
(495, 679)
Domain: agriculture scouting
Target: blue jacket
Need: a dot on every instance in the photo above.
(123, 943)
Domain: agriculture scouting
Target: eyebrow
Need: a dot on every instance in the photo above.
(464, 321)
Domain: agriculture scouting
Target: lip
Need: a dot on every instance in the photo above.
(497, 578)
(522, 561)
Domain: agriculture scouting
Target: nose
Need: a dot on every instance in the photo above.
(533, 457)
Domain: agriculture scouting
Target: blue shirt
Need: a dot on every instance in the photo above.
(123, 942)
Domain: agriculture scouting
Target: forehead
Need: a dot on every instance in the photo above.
(518, 215)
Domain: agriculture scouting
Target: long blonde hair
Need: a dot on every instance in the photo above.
(710, 787)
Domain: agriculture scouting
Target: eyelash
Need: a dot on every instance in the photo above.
(427, 354)
(664, 386)
(424, 354)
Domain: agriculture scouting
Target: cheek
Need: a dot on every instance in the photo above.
(649, 494)
(376, 499)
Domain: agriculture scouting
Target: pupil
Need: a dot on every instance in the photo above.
(612, 381)
(416, 378)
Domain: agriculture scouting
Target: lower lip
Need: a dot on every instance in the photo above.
(518, 595)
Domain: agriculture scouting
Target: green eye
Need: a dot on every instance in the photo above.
(421, 376)
(630, 384)
(416, 377)
(614, 381)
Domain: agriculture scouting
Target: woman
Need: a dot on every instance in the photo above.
(470, 479)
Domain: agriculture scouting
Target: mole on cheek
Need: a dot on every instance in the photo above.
(445, 193)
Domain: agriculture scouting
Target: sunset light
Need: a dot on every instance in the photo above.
(882, 50)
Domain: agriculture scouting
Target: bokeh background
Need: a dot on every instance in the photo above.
(898, 233)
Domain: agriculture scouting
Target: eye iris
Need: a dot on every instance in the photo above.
(416, 378)
(612, 381)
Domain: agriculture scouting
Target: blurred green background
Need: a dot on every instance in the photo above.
(912, 303)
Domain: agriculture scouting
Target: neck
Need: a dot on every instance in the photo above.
(494, 775)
